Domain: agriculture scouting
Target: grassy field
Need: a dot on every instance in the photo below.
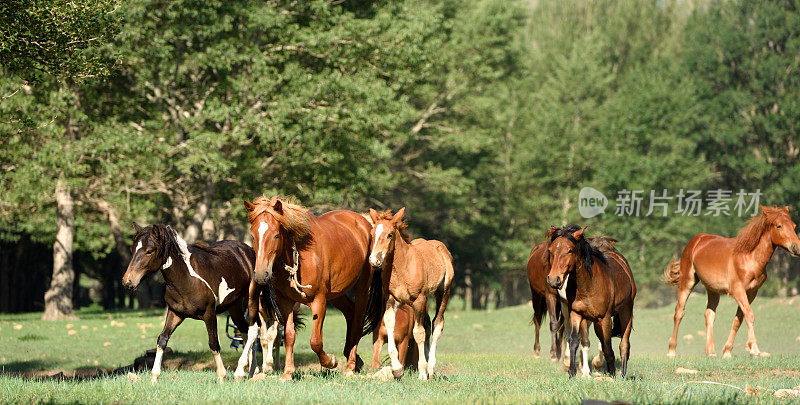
(484, 357)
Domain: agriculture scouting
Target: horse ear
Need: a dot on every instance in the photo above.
(763, 209)
(136, 227)
(248, 206)
(786, 208)
(399, 215)
(374, 215)
(172, 231)
(579, 233)
(278, 206)
(156, 230)
(550, 232)
(612, 241)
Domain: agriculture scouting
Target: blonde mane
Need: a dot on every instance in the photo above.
(750, 235)
(294, 218)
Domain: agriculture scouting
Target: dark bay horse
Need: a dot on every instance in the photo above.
(599, 289)
(733, 266)
(418, 269)
(311, 260)
(201, 281)
(545, 299)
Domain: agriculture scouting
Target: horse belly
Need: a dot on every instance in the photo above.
(712, 262)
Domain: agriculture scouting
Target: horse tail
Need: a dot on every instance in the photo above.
(672, 274)
(539, 308)
(375, 304)
(299, 321)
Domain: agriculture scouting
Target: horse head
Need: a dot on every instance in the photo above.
(563, 255)
(385, 229)
(782, 229)
(149, 252)
(268, 238)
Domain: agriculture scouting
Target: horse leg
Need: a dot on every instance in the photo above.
(686, 284)
(745, 311)
(362, 293)
(269, 334)
(389, 320)
(378, 338)
(575, 320)
(286, 308)
(737, 321)
(318, 308)
(420, 307)
(442, 297)
(711, 309)
(210, 319)
(251, 329)
(603, 330)
(537, 302)
(566, 332)
(347, 307)
(585, 371)
(556, 324)
(626, 318)
(170, 323)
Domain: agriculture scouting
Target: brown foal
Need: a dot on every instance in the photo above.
(414, 270)
(733, 266)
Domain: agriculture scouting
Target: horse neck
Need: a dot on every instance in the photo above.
(763, 251)
(583, 280)
(176, 275)
(400, 252)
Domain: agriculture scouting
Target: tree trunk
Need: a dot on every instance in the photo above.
(58, 298)
(201, 225)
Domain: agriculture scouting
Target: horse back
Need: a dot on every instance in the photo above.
(436, 259)
(620, 273)
(341, 239)
(231, 259)
(537, 271)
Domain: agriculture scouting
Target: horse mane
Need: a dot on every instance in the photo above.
(586, 252)
(603, 242)
(750, 235)
(387, 215)
(294, 218)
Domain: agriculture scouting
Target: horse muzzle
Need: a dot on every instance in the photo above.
(130, 283)
(795, 250)
(376, 260)
(263, 276)
(556, 282)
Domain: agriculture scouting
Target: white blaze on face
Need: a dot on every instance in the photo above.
(139, 246)
(562, 292)
(262, 229)
(378, 231)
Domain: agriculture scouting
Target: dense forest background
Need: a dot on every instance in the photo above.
(485, 118)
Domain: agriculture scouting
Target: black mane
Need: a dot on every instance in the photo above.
(586, 252)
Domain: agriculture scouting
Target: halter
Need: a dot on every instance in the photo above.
(294, 281)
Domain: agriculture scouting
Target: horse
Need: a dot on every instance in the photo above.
(733, 266)
(546, 300)
(602, 292)
(329, 254)
(418, 269)
(201, 282)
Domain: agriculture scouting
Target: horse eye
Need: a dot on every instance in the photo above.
(779, 227)
(389, 236)
(277, 235)
(149, 252)
(569, 251)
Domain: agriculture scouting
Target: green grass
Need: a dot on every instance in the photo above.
(483, 357)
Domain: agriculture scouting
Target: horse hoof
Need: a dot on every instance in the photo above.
(671, 353)
(384, 374)
(726, 355)
(764, 354)
(711, 354)
(397, 373)
(349, 373)
(536, 355)
(239, 377)
(359, 364)
(286, 377)
(423, 376)
(153, 378)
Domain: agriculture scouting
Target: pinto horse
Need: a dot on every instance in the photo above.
(601, 291)
(733, 266)
(312, 260)
(418, 269)
(201, 281)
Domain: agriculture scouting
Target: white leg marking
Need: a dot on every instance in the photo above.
(419, 337)
(156, 371)
(245, 358)
(585, 360)
(388, 320)
(269, 335)
(220, 367)
(437, 332)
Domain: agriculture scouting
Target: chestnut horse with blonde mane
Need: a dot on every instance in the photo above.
(312, 260)
(733, 266)
(413, 271)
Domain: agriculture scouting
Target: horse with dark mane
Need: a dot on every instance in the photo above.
(545, 299)
(733, 266)
(312, 260)
(201, 282)
(598, 290)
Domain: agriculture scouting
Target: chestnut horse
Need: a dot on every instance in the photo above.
(311, 260)
(201, 281)
(418, 269)
(733, 266)
(545, 299)
(403, 337)
(603, 293)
